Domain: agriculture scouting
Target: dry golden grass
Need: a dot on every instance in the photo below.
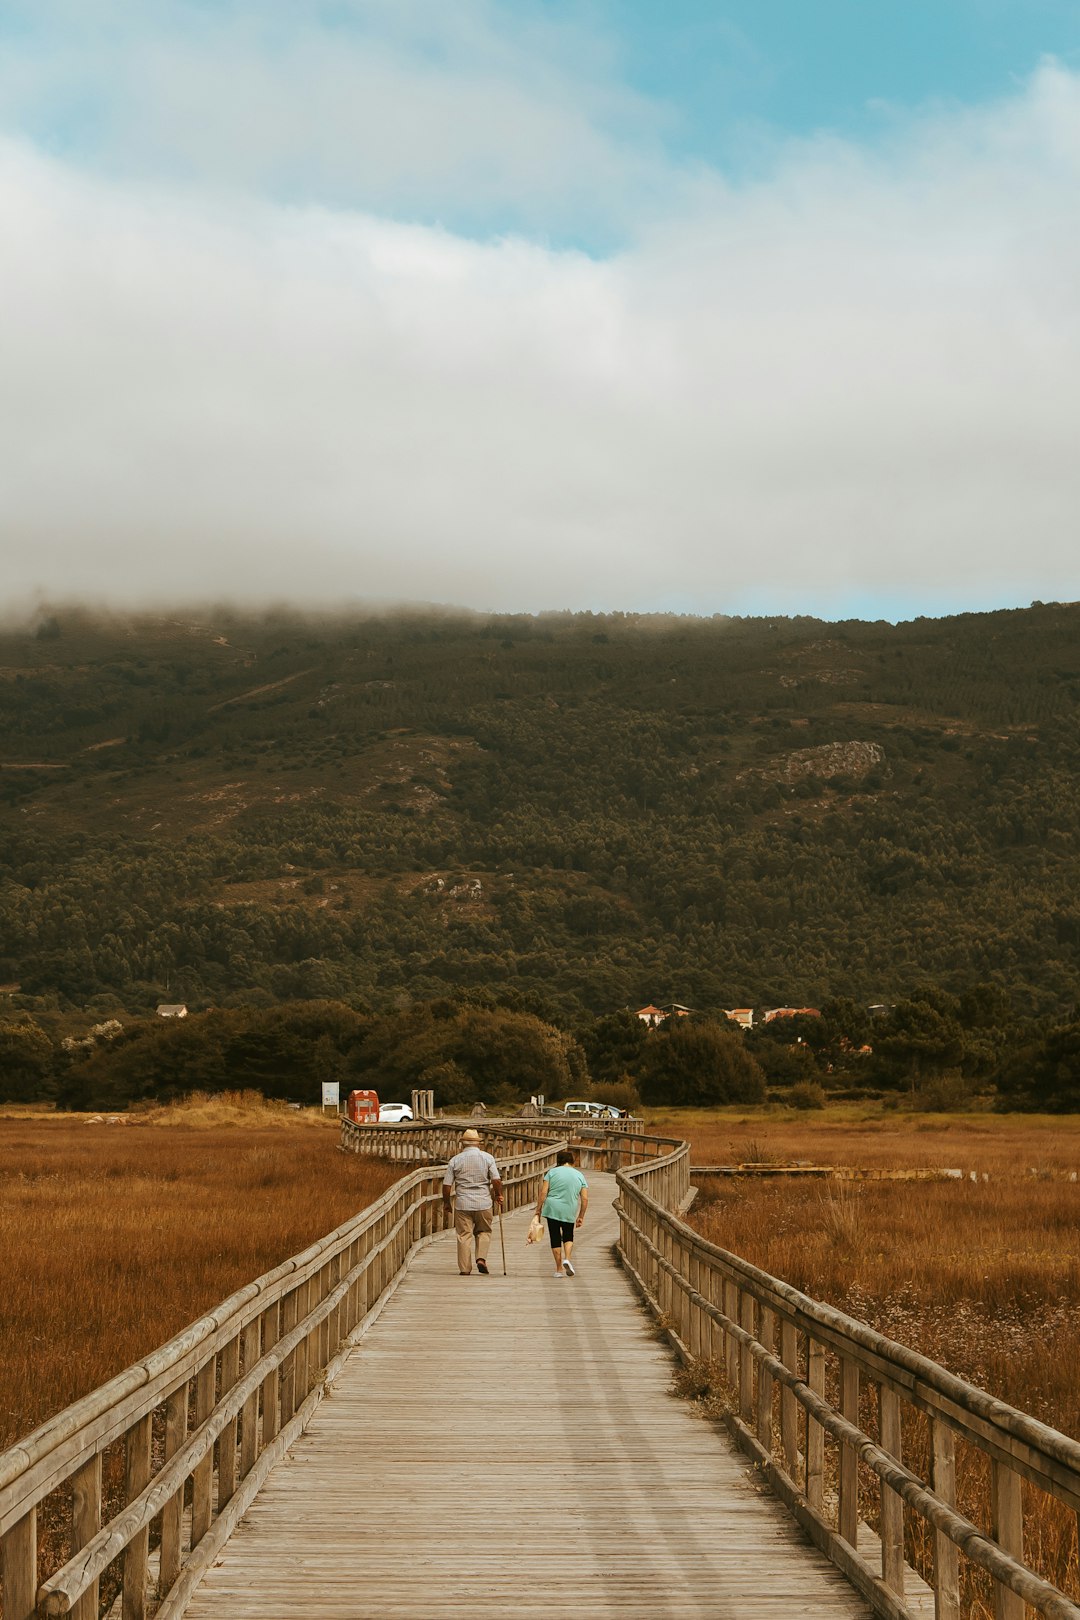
(115, 1237)
(872, 1137)
(982, 1277)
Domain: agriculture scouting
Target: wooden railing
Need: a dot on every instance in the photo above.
(821, 1402)
(191, 1432)
(440, 1139)
(598, 1146)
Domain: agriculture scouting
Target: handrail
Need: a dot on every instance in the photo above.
(202, 1419)
(717, 1308)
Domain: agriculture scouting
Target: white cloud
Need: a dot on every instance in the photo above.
(470, 113)
(854, 383)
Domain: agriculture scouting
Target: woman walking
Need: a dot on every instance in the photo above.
(564, 1198)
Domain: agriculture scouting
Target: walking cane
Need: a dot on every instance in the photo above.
(502, 1238)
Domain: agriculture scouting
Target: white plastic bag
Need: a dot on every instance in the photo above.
(536, 1230)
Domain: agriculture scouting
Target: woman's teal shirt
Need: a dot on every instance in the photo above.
(564, 1193)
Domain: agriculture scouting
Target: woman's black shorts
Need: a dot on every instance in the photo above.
(560, 1232)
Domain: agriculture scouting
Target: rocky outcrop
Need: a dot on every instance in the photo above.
(832, 759)
(855, 759)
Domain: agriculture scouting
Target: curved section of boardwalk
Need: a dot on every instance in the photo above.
(509, 1446)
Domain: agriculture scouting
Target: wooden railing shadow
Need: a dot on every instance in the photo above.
(797, 1372)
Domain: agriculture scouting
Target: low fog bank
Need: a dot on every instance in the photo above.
(54, 619)
(848, 389)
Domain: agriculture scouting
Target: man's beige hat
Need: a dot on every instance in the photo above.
(470, 1135)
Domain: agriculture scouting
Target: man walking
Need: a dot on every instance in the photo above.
(473, 1177)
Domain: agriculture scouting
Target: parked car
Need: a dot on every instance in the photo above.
(586, 1110)
(394, 1113)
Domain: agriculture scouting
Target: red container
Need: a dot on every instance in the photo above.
(364, 1107)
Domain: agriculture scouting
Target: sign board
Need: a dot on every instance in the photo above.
(331, 1093)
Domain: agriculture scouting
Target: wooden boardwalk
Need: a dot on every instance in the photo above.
(510, 1447)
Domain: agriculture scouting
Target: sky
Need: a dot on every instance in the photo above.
(709, 306)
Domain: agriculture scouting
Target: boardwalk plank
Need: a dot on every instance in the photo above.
(509, 1446)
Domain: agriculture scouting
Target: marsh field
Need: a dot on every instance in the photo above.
(114, 1237)
(981, 1275)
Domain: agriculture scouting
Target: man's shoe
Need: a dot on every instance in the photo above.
(568, 1268)
(481, 1266)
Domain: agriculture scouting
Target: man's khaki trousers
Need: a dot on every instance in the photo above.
(467, 1224)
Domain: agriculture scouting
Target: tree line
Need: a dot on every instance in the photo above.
(933, 1050)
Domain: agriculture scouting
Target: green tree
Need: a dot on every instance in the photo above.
(494, 1048)
(698, 1062)
(1046, 1075)
(26, 1057)
(916, 1041)
(613, 1045)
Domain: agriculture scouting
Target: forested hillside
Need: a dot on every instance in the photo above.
(570, 813)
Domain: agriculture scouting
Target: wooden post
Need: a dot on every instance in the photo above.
(319, 1337)
(946, 1552)
(202, 1479)
(656, 1238)
(747, 1303)
(692, 1273)
(328, 1277)
(85, 1524)
(271, 1384)
(18, 1563)
(136, 1479)
(789, 1406)
(290, 1306)
(767, 1336)
(350, 1313)
(249, 1417)
(172, 1514)
(679, 1297)
(714, 1293)
(731, 1311)
(1007, 1528)
(230, 1372)
(848, 1523)
(815, 1434)
(892, 1507)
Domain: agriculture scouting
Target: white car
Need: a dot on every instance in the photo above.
(394, 1113)
(585, 1110)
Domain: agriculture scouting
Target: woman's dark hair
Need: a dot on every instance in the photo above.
(565, 1156)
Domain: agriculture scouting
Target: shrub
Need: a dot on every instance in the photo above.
(807, 1094)
(941, 1094)
(452, 1087)
(617, 1094)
